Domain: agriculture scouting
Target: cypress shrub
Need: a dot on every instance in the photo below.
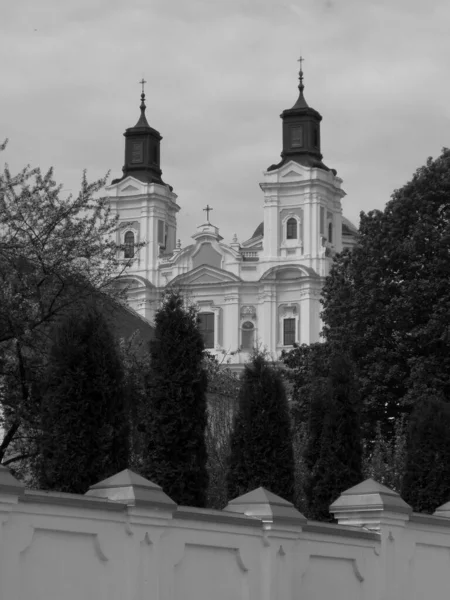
(261, 441)
(84, 422)
(339, 454)
(175, 449)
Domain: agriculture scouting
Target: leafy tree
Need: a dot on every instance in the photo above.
(177, 416)
(261, 442)
(385, 459)
(339, 451)
(84, 423)
(307, 369)
(388, 300)
(426, 483)
(55, 253)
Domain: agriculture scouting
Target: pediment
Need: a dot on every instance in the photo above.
(130, 189)
(206, 275)
(292, 172)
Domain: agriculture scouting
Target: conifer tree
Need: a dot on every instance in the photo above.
(176, 419)
(83, 414)
(261, 441)
(339, 454)
(426, 483)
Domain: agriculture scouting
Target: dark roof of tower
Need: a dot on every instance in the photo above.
(301, 116)
(142, 151)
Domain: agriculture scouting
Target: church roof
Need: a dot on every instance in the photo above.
(347, 227)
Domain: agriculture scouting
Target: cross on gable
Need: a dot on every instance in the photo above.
(208, 209)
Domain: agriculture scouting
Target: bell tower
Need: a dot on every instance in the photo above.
(302, 205)
(146, 205)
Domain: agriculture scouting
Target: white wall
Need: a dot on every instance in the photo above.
(135, 543)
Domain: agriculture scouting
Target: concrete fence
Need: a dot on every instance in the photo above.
(127, 540)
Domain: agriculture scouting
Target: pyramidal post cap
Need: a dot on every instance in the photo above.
(9, 485)
(443, 510)
(267, 506)
(132, 489)
(369, 496)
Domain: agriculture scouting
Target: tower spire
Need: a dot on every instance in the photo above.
(301, 131)
(142, 119)
(301, 87)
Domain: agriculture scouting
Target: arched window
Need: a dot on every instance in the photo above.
(330, 232)
(291, 229)
(129, 244)
(248, 335)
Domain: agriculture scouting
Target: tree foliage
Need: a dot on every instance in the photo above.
(307, 370)
(55, 253)
(135, 359)
(176, 421)
(334, 452)
(84, 420)
(222, 397)
(261, 442)
(388, 300)
(384, 460)
(426, 483)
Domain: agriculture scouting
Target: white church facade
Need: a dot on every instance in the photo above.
(264, 291)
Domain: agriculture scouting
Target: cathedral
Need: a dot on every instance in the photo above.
(262, 292)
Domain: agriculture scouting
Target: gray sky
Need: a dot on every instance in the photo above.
(219, 74)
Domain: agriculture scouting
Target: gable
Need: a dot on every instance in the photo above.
(291, 172)
(130, 188)
(207, 255)
(205, 275)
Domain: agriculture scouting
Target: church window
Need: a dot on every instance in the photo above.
(206, 328)
(330, 232)
(316, 138)
(129, 244)
(161, 233)
(291, 229)
(297, 137)
(137, 150)
(322, 220)
(248, 335)
(289, 332)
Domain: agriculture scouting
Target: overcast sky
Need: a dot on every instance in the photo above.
(219, 74)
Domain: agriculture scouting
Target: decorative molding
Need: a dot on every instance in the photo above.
(239, 560)
(30, 531)
(98, 548)
(248, 311)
